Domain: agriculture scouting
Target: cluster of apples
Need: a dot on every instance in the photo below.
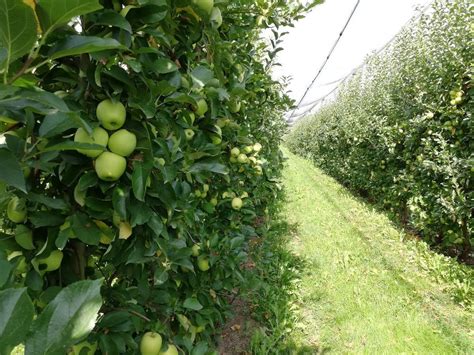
(109, 165)
(456, 97)
(241, 156)
(151, 344)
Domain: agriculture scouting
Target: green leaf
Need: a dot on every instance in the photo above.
(74, 45)
(11, 172)
(85, 230)
(164, 66)
(87, 180)
(16, 315)
(70, 145)
(112, 18)
(211, 166)
(46, 219)
(17, 29)
(202, 75)
(192, 303)
(54, 203)
(70, 317)
(54, 13)
(139, 180)
(59, 122)
(119, 201)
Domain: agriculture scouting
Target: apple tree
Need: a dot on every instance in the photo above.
(139, 146)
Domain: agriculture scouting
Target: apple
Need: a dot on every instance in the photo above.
(111, 114)
(203, 263)
(215, 139)
(197, 193)
(237, 203)
(202, 107)
(195, 249)
(24, 237)
(205, 187)
(84, 348)
(151, 344)
(235, 152)
(248, 149)
(234, 106)
(233, 160)
(16, 210)
(216, 18)
(258, 170)
(213, 201)
(52, 262)
(205, 5)
(99, 136)
(253, 160)
(122, 142)
(257, 147)
(242, 158)
(160, 161)
(110, 166)
(172, 350)
(189, 133)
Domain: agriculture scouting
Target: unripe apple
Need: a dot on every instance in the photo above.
(258, 170)
(234, 106)
(172, 350)
(111, 114)
(205, 187)
(189, 133)
(235, 152)
(233, 160)
(122, 142)
(216, 18)
(195, 249)
(110, 166)
(215, 139)
(203, 263)
(52, 262)
(16, 210)
(237, 203)
(84, 348)
(248, 149)
(242, 158)
(253, 160)
(257, 147)
(213, 201)
(160, 161)
(204, 5)
(150, 344)
(99, 136)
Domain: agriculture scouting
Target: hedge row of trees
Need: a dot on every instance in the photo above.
(401, 130)
(141, 150)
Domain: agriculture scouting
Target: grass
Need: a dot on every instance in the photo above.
(362, 287)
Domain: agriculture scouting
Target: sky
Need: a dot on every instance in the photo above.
(374, 23)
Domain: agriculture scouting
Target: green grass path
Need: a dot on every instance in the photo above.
(365, 290)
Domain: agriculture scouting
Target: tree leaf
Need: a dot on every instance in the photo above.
(16, 315)
(164, 66)
(54, 13)
(85, 230)
(74, 45)
(11, 172)
(17, 29)
(202, 75)
(59, 122)
(214, 167)
(69, 318)
(192, 303)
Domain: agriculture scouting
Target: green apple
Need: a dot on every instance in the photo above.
(52, 262)
(233, 160)
(216, 18)
(197, 193)
(257, 147)
(203, 263)
(150, 344)
(234, 106)
(253, 160)
(83, 348)
(110, 166)
(258, 170)
(205, 5)
(195, 249)
(202, 107)
(213, 201)
(122, 142)
(99, 136)
(215, 139)
(16, 210)
(237, 203)
(24, 237)
(248, 149)
(189, 133)
(235, 152)
(111, 114)
(205, 187)
(172, 350)
(242, 158)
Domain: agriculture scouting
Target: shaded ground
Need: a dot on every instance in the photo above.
(366, 289)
